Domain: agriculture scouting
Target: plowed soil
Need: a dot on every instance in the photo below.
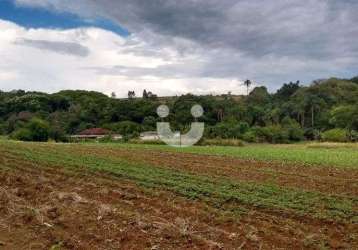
(43, 207)
(322, 179)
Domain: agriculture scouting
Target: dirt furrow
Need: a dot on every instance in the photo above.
(322, 179)
(46, 207)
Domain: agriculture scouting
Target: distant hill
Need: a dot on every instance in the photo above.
(293, 113)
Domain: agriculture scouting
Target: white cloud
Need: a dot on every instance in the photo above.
(52, 60)
(175, 47)
(8, 76)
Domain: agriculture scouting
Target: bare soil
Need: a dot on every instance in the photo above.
(42, 207)
(314, 178)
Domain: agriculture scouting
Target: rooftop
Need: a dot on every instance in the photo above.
(95, 131)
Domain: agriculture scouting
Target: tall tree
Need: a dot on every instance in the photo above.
(131, 94)
(248, 83)
(145, 94)
(287, 90)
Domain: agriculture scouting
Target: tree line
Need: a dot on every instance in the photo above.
(324, 110)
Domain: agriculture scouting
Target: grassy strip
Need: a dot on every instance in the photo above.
(217, 191)
(305, 154)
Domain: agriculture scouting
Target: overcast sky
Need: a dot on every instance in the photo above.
(174, 46)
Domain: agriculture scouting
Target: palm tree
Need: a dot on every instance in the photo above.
(248, 83)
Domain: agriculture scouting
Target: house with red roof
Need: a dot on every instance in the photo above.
(96, 134)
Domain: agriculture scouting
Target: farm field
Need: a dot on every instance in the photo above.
(111, 196)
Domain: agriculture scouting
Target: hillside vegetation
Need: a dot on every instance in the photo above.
(326, 110)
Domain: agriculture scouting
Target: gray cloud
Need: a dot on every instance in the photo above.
(253, 26)
(239, 38)
(67, 48)
(178, 71)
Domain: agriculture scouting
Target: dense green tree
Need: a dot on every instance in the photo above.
(35, 130)
(259, 96)
(22, 134)
(259, 116)
(286, 91)
(345, 116)
(149, 123)
(354, 79)
(40, 129)
(335, 135)
(125, 128)
(294, 131)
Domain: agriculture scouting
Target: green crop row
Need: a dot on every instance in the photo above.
(219, 192)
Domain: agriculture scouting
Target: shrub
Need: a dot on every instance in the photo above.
(296, 133)
(125, 128)
(293, 128)
(354, 136)
(22, 134)
(243, 127)
(312, 134)
(335, 135)
(56, 133)
(35, 130)
(40, 129)
(272, 134)
(220, 130)
(276, 134)
(250, 136)
(227, 130)
(149, 123)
